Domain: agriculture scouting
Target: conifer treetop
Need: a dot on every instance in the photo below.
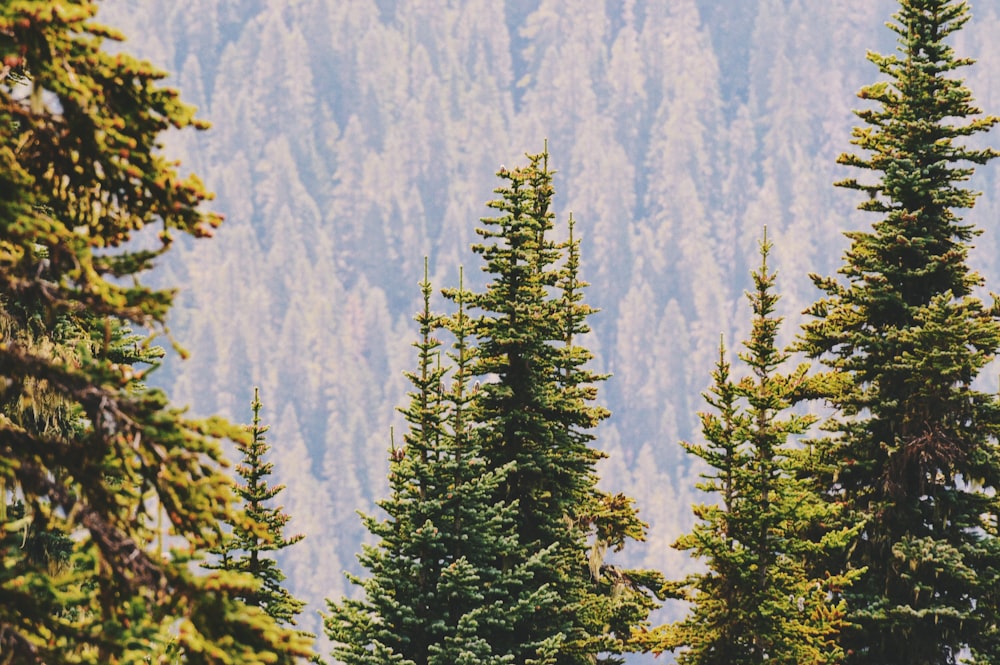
(259, 529)
(761, 599)
(905, 338)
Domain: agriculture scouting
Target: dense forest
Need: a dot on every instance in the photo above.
(353, 148)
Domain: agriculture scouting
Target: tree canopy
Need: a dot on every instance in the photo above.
(762, 598)
(913, 450)
(89, 203)
(496, 533)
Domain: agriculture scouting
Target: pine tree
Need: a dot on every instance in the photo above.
(85, 448)
(258, 529)
(535, 415)
(758, 601)
(913, 452)
(496, 532)
(437, 592)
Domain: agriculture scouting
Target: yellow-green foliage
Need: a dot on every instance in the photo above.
(89, 454)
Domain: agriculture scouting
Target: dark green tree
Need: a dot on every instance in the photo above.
(758, 600)
(493, 550)
(85, 448)
(535, 416)
(259, 528)
(913, 451)
(440, 589)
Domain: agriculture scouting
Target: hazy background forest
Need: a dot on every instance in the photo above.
(353, 137)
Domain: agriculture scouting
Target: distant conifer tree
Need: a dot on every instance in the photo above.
(258, 528)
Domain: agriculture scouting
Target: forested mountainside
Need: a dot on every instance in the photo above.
(355, 137)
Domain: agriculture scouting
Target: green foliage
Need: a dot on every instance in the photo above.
(535, 416)
(258, 529)
(493, 550)
(914, 447)
(440, 589)
(679, 128)
(87, 450)
(760, 599)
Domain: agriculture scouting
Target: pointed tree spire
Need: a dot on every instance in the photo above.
(913, 450)
(760, 599)
(536, 415)
(492, 548)
(258, 530)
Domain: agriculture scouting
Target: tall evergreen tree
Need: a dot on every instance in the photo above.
(493, 548)
(758, 601)
(440, 590)
(914, 446)
(258, 528)
(535, 417)
(84, 446)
